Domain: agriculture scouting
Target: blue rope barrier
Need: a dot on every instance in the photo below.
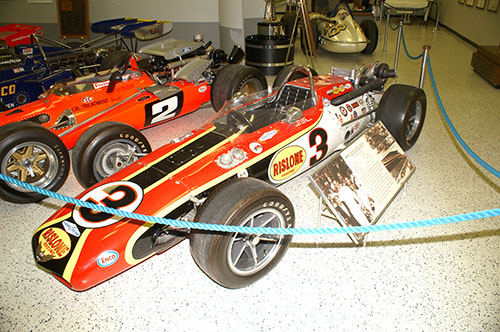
(457, 136)
(406, 50)
(393, 29)
(261, 230)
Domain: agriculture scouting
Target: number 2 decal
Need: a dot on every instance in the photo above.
(321, 146)
(162, 110)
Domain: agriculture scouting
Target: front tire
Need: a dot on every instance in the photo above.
(236, 260)
(105, 149)
(370, 30)
(33, 154)
(235, 78)
(402, 110)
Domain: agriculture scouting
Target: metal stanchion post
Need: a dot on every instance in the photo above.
(386, 30)
(424, 64)
(398, 45)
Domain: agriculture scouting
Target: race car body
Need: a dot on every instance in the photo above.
(16, 34)
(99, 115)
(337, 31)
(70, 109)
(225, 172)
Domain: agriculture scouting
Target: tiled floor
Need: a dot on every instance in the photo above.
(441, 278)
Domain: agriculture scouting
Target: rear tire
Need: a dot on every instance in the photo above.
(236, 260)
(402, 110)
(370, 30)
(105, 149)
(35, 155)
(235, 78)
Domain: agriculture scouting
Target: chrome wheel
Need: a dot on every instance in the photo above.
(414, 120)
(114, 156)
(249, 253)
(31, 162)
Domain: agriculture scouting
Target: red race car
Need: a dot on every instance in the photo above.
(99, 116)
(225, 173)
(16, 34)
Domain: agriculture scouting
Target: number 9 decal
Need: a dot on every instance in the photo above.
(121, 195)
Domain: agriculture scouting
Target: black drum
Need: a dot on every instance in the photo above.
(268, 53)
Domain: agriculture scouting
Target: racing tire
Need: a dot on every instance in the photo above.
(370, 30)
(31, 153)
(280, 79)
(315, 41)
(402, 110)
(235, 78)
(236, 260)
(287, 22)
(105, 149)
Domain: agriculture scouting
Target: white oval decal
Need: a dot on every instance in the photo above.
(120, 195)
(107, 258)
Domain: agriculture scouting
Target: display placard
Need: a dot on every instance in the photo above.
(73, 18)
(359, 183)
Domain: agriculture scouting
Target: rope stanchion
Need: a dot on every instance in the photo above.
(426, 59)
(260, 230)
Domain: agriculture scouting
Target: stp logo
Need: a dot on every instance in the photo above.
(87, 99)
(120, 195)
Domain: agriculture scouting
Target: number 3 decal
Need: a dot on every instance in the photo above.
(163, 110)
(321, 146)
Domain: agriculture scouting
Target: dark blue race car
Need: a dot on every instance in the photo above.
(26, 71)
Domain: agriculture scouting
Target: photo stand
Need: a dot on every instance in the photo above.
(358, 185)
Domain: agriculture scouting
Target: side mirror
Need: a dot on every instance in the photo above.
(114, 79)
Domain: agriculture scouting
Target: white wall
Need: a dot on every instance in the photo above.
(19, 11)
(478, 25)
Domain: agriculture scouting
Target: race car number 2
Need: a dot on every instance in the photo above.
(120, 195)
(164, 109)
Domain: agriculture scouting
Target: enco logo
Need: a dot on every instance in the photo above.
(121, 195)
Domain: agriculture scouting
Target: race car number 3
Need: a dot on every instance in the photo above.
(120, 195)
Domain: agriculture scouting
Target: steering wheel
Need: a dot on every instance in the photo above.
(239, 118)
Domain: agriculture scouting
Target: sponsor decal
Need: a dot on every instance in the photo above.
(99, 85)
(287, 162)
(363, 110)
(256, 147)
(341, 88)
(18, 70)
(355, 104)
(7, 90)
(326, 102)
(268, 135)
(349, 107)
(54, 243)
(348, 85)
(202, 89)
(107, 258)
(121, 195)
(28, 51)
(344, 111)
(87, 99)
(301, 121)
(336, 90)
(71, 228)
(90, 104)
(186, 50)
